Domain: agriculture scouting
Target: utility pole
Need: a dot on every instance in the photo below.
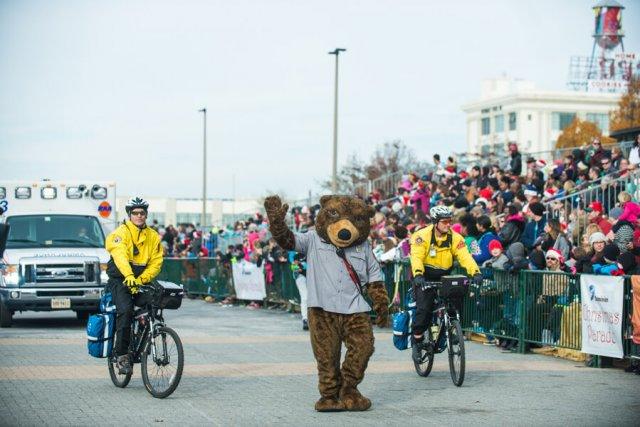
(203, 220)
(334, 176)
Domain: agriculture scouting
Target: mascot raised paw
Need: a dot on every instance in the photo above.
(341, 270)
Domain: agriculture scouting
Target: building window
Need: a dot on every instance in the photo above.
(485, 110)
(529, 117)
(486, 126)
(600, 119)
(188, 218)
(499, 123)
(559, 121)
(512, 121)
(159, 216)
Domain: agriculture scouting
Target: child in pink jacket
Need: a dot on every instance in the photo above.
(631, 210)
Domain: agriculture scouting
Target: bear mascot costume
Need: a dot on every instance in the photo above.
(341, 269)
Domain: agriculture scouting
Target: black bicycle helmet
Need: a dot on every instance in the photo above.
(136, 203)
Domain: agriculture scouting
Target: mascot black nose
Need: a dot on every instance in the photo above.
(344, 234)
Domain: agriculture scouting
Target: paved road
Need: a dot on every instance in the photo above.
(248, 367)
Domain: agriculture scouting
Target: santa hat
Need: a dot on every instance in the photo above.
(540, 163)
(486, 193)
(554, 253)
(464, 175)
(549, 192)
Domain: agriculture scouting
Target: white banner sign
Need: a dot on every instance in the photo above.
(248, 280)
(602, 314)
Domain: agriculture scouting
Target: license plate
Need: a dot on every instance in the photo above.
(60, 303)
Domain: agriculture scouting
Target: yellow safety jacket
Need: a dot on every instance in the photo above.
(134, 251)
(433, 257)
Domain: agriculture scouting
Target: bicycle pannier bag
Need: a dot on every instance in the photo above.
(402, 324)
(106, 303)
(100, 334)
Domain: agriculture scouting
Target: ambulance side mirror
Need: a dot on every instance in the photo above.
(4, 234)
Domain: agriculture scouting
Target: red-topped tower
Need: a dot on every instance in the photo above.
(609, 68)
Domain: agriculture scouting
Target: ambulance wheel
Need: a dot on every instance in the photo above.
(6, 316)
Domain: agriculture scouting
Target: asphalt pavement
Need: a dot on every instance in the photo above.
(255, 367)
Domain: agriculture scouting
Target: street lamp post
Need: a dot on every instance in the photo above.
(204, 168)
(334, 176)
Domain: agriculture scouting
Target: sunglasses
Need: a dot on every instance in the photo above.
(596, 143)
(552, 259)
(138, 213)
(445, 221)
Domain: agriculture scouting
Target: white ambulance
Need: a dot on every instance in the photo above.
(55, 257)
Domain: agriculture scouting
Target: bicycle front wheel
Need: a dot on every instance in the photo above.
(119, 380)
(456, 352)
(162, 362)
(425, 363)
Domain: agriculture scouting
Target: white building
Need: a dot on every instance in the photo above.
(515, 111)
(178, 211)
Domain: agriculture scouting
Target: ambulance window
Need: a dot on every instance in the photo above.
(48, 193)
(74, 193)
(23, 193)
(98, 192)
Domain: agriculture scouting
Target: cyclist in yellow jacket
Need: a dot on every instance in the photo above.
(136, 259)
(433, 250)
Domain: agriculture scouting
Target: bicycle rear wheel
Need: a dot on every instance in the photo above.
(119, 380)
(162, 362)
(455, 341)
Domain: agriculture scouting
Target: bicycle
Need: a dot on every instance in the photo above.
(449, 336)
(153, 344)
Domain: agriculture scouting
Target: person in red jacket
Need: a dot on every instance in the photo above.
(595, 217)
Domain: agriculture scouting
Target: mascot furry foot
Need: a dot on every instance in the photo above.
(353, 400)
(327, 404)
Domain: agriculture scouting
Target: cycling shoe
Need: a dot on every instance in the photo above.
(124, 365)
(420, 350)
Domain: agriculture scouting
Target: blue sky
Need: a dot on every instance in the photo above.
(110, 90)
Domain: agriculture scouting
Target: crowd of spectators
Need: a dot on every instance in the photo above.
(572, 214)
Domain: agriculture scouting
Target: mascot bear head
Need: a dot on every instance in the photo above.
(343, 220)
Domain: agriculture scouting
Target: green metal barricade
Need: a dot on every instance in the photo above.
(631, 350)
(534, 307)
(283, 287)
(199, 276)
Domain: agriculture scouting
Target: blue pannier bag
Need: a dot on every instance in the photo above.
(101, 328)
(402, 324)
(401, 329)
(100, 331)
(106, 303)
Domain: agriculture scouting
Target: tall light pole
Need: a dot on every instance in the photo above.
(334, 176)
(203, 220)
